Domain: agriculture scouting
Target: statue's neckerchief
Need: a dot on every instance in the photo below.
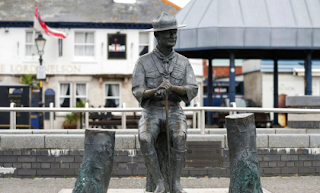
(165, 59)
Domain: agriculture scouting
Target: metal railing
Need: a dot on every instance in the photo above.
(200, 119)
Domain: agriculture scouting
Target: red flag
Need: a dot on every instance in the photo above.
(39, 25)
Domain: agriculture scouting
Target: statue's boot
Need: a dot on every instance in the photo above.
(152, 163)
(178, 163)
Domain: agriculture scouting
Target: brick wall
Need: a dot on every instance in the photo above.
(66, 163)
(219, 71)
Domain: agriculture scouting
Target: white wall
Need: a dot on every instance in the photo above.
(253, 88)
(251, 65)
(14, 61)
(288, 84)
(197, 65)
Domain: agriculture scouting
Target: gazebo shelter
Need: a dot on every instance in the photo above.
(251, 29)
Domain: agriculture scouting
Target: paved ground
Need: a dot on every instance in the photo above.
(307, 184)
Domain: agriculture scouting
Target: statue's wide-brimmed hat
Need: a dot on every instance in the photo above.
(163, 22)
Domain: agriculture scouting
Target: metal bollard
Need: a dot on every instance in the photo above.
(87, 116)
(12, 117)
(124, 118)
(194, 119)
(51, 115)
(234, 105)
(203, 127)
(199, 116)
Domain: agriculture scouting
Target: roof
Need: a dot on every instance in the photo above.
(256, 25)
(79, 11)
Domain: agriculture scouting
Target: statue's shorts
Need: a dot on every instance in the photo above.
(153, 120)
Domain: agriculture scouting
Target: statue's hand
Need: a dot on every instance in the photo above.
(164, 85)
(160, 93)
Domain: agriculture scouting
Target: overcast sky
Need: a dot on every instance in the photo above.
(180, 3)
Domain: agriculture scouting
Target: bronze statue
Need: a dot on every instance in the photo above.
(161, 72)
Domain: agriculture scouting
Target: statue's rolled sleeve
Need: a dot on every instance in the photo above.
(191, 86)
(138, 84)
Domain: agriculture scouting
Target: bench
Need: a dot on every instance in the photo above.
(110, 121)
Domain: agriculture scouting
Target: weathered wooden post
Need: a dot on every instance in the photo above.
(94, 175)
(245, 174)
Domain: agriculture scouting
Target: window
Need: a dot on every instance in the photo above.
(72, 93)
(81, 93)
(143, 43)
(84, 44)
(112, 95)
(65, 97)
(31, 49)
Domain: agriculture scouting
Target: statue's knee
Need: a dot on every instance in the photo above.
(145, 138)
(179, 137)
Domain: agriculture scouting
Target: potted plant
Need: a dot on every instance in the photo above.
(71, 121)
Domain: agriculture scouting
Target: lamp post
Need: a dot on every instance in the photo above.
(40, 42)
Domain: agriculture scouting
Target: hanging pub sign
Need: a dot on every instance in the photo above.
(117, 47)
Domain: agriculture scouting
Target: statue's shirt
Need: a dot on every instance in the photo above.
(154, 68)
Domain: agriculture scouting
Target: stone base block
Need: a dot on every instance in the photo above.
(197, 190)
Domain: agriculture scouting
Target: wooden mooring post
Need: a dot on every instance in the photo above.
(95, 173)
(244, 166)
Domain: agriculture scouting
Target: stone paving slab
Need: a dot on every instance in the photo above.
(198, 190)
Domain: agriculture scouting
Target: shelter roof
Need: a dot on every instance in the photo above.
(255, 25)
(98, 11)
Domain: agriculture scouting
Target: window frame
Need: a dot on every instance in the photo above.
(84, 57)
(65, 96)
(33, 44)
(75, 92)
(144, 44)
(120, 93)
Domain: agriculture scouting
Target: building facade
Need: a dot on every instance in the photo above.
(93, 64)
(258, 80)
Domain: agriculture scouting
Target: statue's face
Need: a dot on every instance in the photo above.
(167, 38)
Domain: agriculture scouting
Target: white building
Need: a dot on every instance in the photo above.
(258, 80)
(96, 60)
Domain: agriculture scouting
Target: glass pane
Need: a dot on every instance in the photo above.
(81, 90)
(89, 38)
(143, 50)
(112, 90)
(79, 50)
(29, 37)
(112, 103)
(79, 37)
(29, 50)
(143, 38)
(89, 51)
(64, 89)
(64, 102)
(80, 102)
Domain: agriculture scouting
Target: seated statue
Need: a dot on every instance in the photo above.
(157, 74)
